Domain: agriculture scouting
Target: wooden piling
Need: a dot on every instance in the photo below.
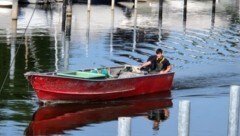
(213, 12)
(69, 9)
(124, 126)
(185, 10)
(160, 13)
(135, 4)
(135, 30)
(15, 9)
(233, 123)
(183, 118)
(68, 26)
(64, 7)
(213, 6)
(160, 10)
(89, 5)
(112, 4)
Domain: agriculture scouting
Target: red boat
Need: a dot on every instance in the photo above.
(97, 84)
(56, 119)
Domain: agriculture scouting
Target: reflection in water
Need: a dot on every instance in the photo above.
(160, 15)
(158, 116)
(134, 30)
(213, 13)
(66, 53)
(56, 119)
(111, 36)
(13, 49)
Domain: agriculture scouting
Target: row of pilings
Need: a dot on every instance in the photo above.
(124, 123)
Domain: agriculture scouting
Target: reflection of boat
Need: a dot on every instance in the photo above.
(55, 119)
(85, 85)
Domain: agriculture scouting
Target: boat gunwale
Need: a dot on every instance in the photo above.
(97, 80)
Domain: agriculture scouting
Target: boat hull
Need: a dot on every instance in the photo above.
(58, 88)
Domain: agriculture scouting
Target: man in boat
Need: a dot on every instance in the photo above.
(157, 63)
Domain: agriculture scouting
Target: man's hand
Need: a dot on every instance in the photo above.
(162, 72)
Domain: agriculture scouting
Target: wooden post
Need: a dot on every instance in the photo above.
(183, 118)
(89, 5)
(64, 7)
(213, 12)
(15, 9)
(160, 19)
(113, 4)
(234, 110)
(134, 30)
(69, 9)
(185, 10)
(160, 10)
(135, 4)
(68, 26)
(124, 126)
(69, 18)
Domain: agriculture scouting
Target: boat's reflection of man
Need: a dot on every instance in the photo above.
(157, 116)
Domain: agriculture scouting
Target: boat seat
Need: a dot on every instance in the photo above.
(82, 74)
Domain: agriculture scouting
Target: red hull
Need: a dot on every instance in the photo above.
(58, 88)
(56, 119)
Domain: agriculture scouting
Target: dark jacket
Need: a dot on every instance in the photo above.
(155, 62)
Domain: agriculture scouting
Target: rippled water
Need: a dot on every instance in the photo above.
(204, 52)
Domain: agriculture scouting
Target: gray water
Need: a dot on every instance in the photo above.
(204, 52)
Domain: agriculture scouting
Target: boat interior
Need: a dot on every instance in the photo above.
(103, 73)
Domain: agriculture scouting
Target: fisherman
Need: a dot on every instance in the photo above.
(157, 63)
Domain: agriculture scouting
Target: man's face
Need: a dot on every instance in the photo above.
(159, 55)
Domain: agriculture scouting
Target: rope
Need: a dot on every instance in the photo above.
(13, 60)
